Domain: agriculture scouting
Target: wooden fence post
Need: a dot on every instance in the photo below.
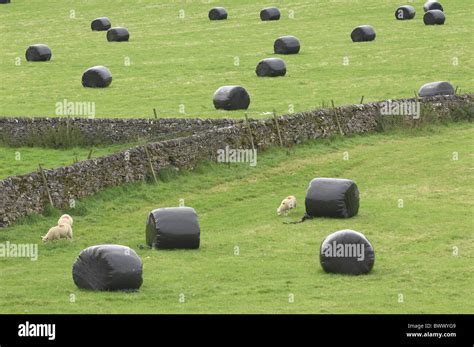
(337, 118)
(151, 165)
(249, 130)
(45, 183)
(278, 128)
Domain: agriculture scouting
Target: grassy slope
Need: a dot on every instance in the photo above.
(236, 206)
(30, 158)
(183, 61)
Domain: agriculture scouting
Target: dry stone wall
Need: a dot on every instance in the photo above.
(23, 131)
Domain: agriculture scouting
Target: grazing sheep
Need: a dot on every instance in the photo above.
(286, 205)
(58, 232)
(66, 219)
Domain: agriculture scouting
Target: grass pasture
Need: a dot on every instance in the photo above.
(416, 184)
(181, 61)
(236, 206)
(23, 160)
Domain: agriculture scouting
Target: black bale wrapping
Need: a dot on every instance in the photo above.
(108, 267)
(97, 77)
(217, 13)
(436, 88)
(432, 5)
(332, 197)
(271, 67)
(347, 252)
(363, 33)
(405, 12)
(434, 17)
(270, 13)
(4, 1)
(101, 24)
(231, 98)
(38, 53)
(287, 45)
(173, 228)
(118, 35)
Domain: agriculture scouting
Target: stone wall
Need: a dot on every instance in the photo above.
(22, 195)
(23, 131)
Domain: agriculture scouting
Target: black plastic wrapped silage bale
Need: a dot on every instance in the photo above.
(108, 267)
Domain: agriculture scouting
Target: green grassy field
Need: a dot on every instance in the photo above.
(22, 160)
(249, 261)
(182, 61)
(236, 206)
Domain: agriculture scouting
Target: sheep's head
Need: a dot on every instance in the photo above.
(44, 238)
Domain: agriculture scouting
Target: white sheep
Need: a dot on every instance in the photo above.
(286, 205)
(58, 232)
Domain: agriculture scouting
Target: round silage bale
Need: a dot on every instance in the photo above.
(217, 13)
(287, 45)
(108, 268)
(347, 252)
(332, 197)
(270, 13)
(101, 24)
(173, 228)
(231, 98)
(4, 1)
(38, 53)
(271, 67)
(97, 77)
(434, 17)
(405, 12)
(436, 88)
(363, 33)
(118, 34)
(432, 5)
